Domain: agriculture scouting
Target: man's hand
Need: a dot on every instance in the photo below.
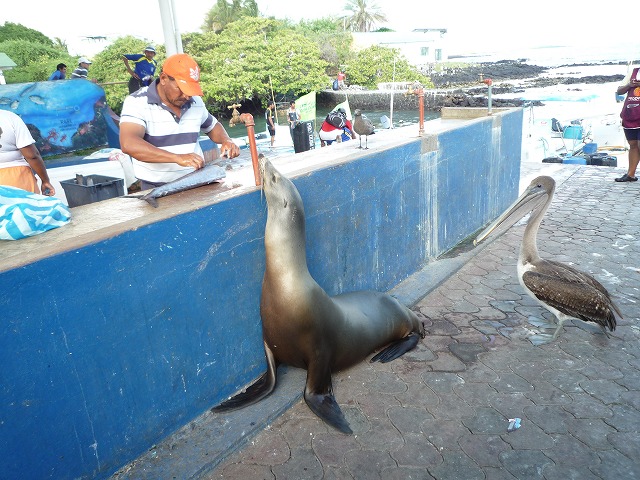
(190, 160)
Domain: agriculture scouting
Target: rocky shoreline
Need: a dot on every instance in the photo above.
(462, 87)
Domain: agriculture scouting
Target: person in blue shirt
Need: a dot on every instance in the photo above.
(144, 68)
(60, 73)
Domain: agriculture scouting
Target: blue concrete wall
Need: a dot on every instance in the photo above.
(107, 349)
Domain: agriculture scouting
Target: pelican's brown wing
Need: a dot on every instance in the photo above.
(576, 299)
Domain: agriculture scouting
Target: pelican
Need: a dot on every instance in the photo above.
(566, 292)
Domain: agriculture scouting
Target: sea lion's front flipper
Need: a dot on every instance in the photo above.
(318, 394)
(256, 391)
(397, 348)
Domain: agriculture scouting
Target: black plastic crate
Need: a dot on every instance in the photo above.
(85, 189)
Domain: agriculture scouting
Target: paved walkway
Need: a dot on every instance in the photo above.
(442, 410)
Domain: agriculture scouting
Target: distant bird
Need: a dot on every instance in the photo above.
(362, 126)
(564, 291)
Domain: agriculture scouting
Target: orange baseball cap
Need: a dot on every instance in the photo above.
(186, 72)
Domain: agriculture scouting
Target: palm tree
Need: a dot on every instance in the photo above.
(364, 16)
(223, 13)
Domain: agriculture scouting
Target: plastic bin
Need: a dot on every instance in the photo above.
(573, 132)
(590, 148)
(575, 160)
(85, 189)
(303, 137)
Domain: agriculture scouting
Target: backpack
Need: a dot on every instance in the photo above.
(336, 119)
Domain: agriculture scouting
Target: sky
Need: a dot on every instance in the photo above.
(472, 26)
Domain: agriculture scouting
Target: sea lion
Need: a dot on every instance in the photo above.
(306, 328)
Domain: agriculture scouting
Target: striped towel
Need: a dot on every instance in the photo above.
(24, 214)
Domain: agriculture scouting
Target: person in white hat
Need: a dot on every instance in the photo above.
(83, 68)
(143, 70)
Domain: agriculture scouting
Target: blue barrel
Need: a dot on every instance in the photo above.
(590, 148)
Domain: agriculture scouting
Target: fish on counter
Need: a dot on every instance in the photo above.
(206, 175)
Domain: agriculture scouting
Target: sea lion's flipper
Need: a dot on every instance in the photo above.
(318, 393)
(256, 391)
(397, 348)
(326, 407)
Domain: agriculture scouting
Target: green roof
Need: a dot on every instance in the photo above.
(5, 62)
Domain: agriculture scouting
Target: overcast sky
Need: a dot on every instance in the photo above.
(473, 26)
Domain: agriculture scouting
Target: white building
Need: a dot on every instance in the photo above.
(421, 47)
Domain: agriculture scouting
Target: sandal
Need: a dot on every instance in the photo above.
(626, 178)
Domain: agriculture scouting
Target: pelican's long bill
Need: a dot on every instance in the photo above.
(534, 196)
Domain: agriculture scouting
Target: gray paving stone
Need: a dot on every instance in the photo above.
(484, 449)
(331, 449)
(586, 406)
(512, 383)
(417, 451)
(607, 391)
(368, 464)
(569, 451)
(405, 473)
(549, 418)
(486, 421)
(616, 465)
(442, 382)
(569, 472)
(457, 465)
(409, 420)
(627, 443)
(305, 466)
(525, 464)
(591, 431)
(624, 419)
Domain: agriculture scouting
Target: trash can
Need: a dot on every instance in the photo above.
(86, 189)
(303, 137)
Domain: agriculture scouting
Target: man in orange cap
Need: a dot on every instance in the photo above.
(160, 125)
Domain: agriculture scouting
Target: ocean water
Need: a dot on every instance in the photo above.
(554, 55)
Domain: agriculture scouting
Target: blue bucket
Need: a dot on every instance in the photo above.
(590, 148)
(575, 160)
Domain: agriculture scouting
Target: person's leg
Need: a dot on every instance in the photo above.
(634, 157)
(631, 135)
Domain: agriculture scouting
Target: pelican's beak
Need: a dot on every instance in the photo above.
(526, 203)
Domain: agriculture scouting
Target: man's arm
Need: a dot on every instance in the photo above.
(34, 159)
(221, 137)
(132, 143)
(129, 69)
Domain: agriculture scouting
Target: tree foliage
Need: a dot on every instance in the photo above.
(250, 56)
(35, 61)
(364, 15)
(35, 54)
(332, 39)
(16, 31)
(375, 65)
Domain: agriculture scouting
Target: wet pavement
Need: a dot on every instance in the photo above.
(443, 410)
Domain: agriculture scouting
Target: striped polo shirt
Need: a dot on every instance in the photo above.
(166, 131)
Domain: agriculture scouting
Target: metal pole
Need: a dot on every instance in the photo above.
(247, 119)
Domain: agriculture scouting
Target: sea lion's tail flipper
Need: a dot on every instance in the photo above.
(258, 390)
(397, 348)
